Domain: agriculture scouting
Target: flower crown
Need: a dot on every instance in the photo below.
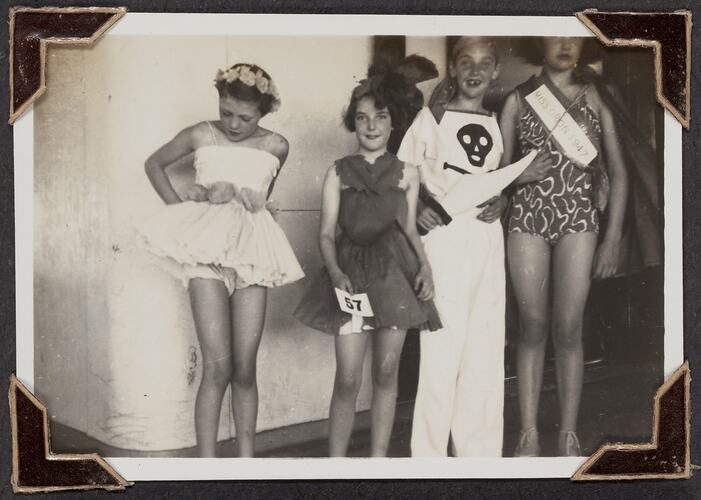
(248, 76)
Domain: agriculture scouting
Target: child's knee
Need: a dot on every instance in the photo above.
(384, 374)
(534, 329)
(244, 375)
(218, 372)
(567, 332)
(533, 320)
(348, 384)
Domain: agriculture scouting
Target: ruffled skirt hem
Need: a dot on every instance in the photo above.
(226, 236)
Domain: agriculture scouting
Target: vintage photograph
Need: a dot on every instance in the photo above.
(289, 245)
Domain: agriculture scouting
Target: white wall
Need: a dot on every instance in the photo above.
(65, 218)
(115, 351)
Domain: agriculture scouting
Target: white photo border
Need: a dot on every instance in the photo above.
(139, 469)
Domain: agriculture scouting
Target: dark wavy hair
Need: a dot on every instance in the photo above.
(393, 86)
(239, 90)
(531, 50)
(385, 91)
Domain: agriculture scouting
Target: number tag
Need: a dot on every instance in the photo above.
(357, 305)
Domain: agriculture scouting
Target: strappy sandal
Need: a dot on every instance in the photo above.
(528, 445)
(569, 444)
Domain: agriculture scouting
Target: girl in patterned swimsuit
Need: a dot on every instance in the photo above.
(553, 246)
(224, 244)
(369, 200)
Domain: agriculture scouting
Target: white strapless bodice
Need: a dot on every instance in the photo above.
(240, 165)
(246, 241)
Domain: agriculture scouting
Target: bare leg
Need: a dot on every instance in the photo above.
(210, 310)
(529, 265)
(387, 348)
(350, 353)
(248, 317)
(572, 264)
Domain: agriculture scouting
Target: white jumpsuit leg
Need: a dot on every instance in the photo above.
(478, 414)
(461, 372)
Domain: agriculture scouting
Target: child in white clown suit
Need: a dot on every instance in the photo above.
(458, 147)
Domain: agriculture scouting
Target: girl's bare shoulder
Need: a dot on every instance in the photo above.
(595, 100)
(274, 143)
(332, 179)
(200, 134)
(411, 171)
(190, 138)
(511, 103)
(332, 174)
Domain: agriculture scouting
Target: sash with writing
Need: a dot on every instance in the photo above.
(570, 137)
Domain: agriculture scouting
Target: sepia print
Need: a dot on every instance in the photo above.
(488, 206)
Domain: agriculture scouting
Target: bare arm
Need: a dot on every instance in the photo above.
(618, 176)
(330, 202)
(607, 254)
(181, 145)
(423, 283)
(280, 148)
(507, 126)
(409, 225)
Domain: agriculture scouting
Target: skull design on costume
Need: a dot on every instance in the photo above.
(476, 142)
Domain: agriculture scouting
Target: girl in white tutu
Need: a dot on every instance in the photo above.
(226, 246)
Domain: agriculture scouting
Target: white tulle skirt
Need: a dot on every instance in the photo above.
(221, 241)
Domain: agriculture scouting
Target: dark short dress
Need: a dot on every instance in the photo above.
(373, 251)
